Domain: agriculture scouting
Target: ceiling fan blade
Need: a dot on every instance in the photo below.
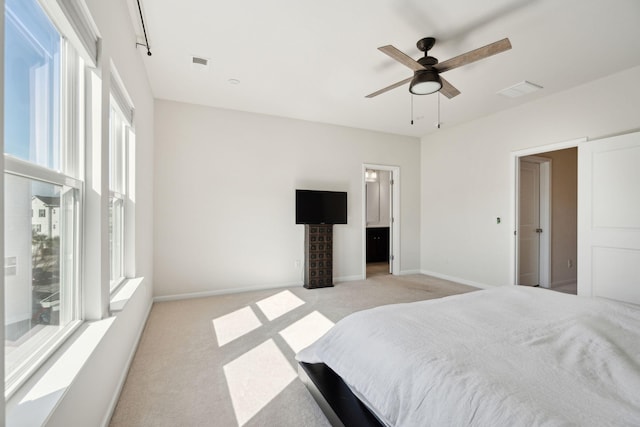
(388, 88)
(448, 89)
(474, 55)
(401, 57)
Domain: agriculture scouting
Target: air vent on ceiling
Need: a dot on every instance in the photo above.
(522, 88)
(195, 60)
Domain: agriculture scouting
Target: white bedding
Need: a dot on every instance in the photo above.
(510, 356)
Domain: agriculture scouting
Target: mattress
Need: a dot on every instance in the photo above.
(501, 357)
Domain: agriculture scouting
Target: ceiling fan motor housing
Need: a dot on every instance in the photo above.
(427, 61)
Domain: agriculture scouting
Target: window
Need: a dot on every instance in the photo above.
(121, 137)
(118, 138)
(44, 80)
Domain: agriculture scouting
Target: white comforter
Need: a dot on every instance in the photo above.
(511, 356)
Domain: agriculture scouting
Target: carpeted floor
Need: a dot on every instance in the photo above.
(229, 360)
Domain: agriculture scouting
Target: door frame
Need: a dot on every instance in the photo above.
(394, 228)
(515, 185)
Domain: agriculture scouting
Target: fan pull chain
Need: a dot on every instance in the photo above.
(438, 110)
(411, 109)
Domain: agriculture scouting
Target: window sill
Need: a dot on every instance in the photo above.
(123, 294)
(34, 353)
(37, 399)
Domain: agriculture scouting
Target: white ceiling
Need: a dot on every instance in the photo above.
(316, 60)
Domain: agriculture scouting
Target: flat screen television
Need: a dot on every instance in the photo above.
(321, 207)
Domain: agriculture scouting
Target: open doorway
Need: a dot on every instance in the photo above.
(546, 219)
(378, 207)
(380, 212)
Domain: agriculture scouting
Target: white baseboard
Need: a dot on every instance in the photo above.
(408, 272)
(227, 291)
(224, 291)
(352, 278)
(348, 278)
(456, 279)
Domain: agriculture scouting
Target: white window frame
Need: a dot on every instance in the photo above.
(121, 179)
(50, 342)
(119, 130)
(72, 110)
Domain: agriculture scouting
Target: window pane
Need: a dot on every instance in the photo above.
(116, 151)
(35, 281)
(32, 84)
(117, 146)
(116, 235)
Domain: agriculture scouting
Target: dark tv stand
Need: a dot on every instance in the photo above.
(318, 255)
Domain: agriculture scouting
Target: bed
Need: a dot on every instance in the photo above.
(502, 357)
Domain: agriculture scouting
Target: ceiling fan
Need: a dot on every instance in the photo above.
(426, 77)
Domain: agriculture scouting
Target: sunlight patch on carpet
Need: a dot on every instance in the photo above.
(279, 304)
(306, 331)
(235, 324)
(256, 378)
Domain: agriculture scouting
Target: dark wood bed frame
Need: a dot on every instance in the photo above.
(337, 401)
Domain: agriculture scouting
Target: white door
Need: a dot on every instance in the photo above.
(529, 224)
(609, 218)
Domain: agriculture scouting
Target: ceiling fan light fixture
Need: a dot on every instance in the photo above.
(425, 82)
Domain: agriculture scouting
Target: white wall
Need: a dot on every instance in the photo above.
(466, 173)
(225, 196)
